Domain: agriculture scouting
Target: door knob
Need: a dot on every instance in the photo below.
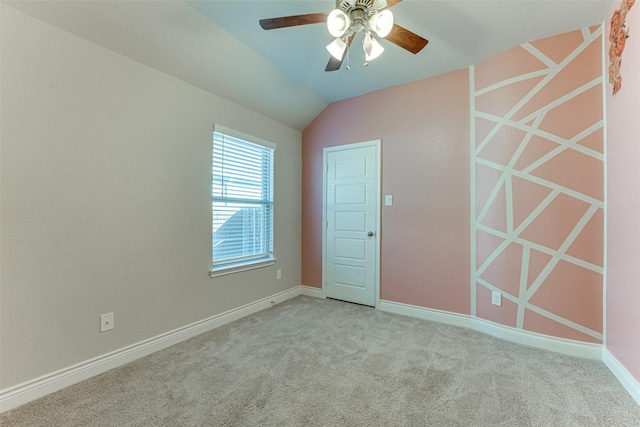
(370, 234)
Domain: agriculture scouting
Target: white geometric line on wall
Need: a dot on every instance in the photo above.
(586, 42)
(507, 174)
(544, 134)
(534, 131)
(506, 179)
(508, 189)
(543, 182)
(500, 122)
(557, 254)
(510, 168)
(542, 312)
(509, 238)
(524, 276)
(472, 193)
(587, 34)
(587, 39)
(543, 249)
(550, 63)
(553, 262)
(530, 133)
(564, 144)
(571, 144)
(568, 145)
(582, 135)
(505, 295)
(573, 325)
(553, 72)
(559, 101)
(512, 80)
(490, 199)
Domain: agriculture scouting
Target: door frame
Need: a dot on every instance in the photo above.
(377, 144)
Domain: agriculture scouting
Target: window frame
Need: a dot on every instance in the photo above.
(228, 267)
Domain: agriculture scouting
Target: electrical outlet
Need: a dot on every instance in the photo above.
(106, 322)
(496, 298)
(278, 274)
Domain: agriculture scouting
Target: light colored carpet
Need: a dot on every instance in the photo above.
(313, 362)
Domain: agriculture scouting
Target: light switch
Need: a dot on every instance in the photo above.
(388, 200)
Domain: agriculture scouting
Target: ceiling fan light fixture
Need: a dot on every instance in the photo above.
(338, 23)
(372, 49)
(348, 20)
(382, 23)
(337, 48)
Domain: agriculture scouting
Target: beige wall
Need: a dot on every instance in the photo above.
(424, 128)
(623, 192)
(105, 201)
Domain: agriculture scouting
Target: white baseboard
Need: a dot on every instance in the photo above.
(312, 292)
(532, 339)
(20, 394)
(448, 318)
(626, 379)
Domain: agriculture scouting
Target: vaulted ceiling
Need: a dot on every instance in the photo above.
(219, 46)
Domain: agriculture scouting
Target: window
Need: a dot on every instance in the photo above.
(242, 202)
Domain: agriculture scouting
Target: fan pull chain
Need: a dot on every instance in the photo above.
(348, 56)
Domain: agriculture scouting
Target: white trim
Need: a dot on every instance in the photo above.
(531, 339)
(324, 225)
(249, 138)
(238, 267)
(626, 379)
(433, 315)
(605, 208)
(377, 144)
(312, 292)
(20, 394)
(473, 229)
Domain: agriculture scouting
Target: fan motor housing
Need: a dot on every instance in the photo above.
(347, 5)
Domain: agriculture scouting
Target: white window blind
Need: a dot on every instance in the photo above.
(242, 201)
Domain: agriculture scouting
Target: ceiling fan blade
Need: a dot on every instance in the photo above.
(335, 64)
(292, 21)
(392, 3)
(406, 39)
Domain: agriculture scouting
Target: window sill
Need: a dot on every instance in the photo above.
(241, 266)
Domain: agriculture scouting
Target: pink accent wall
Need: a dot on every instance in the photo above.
(539, 186)
(533, 198)
(424, 128)
(623, 201)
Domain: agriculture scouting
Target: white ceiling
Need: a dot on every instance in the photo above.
(218, 45)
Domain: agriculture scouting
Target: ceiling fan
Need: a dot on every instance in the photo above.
(349, 18)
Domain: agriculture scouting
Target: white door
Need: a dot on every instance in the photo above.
(352, 200)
